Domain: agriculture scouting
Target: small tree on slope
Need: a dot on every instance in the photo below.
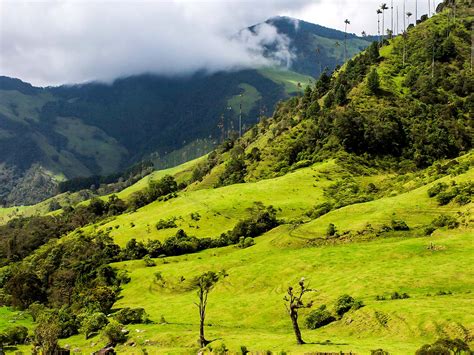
(204, 283)
(293, 302)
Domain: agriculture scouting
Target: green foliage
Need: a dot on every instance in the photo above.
(235, 168)
(148, 261)
(92, 323)
(320, 210)
(47, 333)
(114, 333)
(345, 192)
(319, 318)
(445, 221)
(373, 82)
(206, 281)
(245, 242)
(166, 223)
(399, 296)
(444, 347)
(345, 303)
(14, 335)
(331, 230)
(461, 194)
(166, 186)
(131, 316)
(399, 225)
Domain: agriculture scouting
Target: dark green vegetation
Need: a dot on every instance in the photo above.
(56, 133)
(315, 47)
(381, 225)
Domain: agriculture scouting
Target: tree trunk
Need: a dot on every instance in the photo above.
(202, 340)
(296, 328)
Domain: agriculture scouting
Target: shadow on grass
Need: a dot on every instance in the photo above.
(326, 342)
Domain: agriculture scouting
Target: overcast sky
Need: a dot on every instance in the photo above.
(53, 42)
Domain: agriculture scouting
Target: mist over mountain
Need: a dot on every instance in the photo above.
(102, 128)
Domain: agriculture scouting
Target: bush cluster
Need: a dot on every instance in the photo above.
(460, 194)
(322, 316)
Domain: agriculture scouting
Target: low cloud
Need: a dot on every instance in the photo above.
(58, 42)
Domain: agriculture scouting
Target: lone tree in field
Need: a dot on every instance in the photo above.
(204, 283)
(293, 302)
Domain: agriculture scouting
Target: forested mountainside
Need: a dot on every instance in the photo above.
(56, 133)
(362, 185)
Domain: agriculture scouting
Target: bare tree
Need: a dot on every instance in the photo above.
(204, 283)
(293, 303)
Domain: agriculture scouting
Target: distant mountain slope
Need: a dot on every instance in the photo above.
(316, 47)
(55, 133)
(81, 130)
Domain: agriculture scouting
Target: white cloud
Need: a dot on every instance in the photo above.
(56, 42)
(48, 42)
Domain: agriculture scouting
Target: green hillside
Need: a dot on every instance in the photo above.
(91, 129)
(363, 185)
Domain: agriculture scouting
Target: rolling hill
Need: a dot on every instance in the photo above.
(56, 133)
(363, 185)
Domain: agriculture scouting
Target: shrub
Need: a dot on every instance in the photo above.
(15, 335)
(244, 350)
(166, 223)
(246, 242)
(399, 225)
(399, 296)
(429, 230)
(445, 197)
(331, 230)
(47, 333)
(131, 316)
(148, 261)
(445, 221)
(320, 210)
(123, 277)
(92, 323)
(195, 216)
(319, 318)
(345, 303)
(379, 352)
(436, 189)
(373, 82)
(114, 332)
(444, 347)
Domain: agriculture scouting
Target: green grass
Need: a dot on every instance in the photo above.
(10, 318)
(246, 307)
(221, 208)
(250, 96)
(288, 78)
(92, 142)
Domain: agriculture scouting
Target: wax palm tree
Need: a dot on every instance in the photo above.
(346, 22)
(378, 22)
(383, 7)
(409, 14)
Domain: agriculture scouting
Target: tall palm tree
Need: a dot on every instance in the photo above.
(383, 7)
(318, 54)
(391, 17)
(378, 22)
(346, 22)
(408, 17)
(416, 10)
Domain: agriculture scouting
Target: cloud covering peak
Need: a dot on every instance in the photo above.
(58, 42)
